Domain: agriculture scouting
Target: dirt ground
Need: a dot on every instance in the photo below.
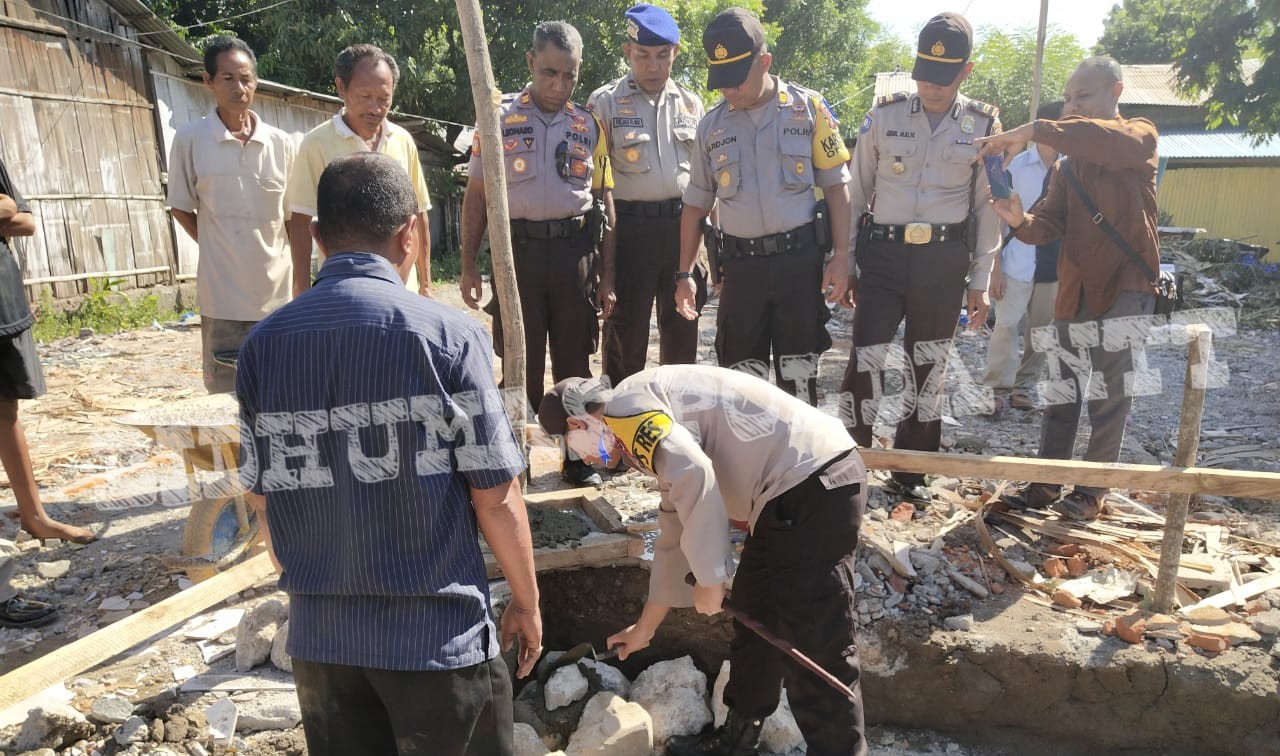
(98, 473)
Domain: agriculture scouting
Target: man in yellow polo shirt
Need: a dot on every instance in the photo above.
(366, 78)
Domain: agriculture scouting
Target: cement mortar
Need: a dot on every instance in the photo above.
(552, 527)
(1023, 675)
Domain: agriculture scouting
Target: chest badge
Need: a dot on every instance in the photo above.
(726, 177)
(898, 167)
(633, 155)
(966, 124)
(799, 168)
(519, 165)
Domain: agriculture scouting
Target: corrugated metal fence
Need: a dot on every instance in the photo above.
(1237, 202)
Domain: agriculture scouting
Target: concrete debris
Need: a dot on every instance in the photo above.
(114, 604)
(674, 693)
(256, 632)
(610, 726)
(222, 716)
(610, 679)
(111, 710)
(961, 622)
(1102, 586)
(967, 583)
(211, 626)
(565, 686)
(1268, 622)
(134, 730)
(1208, 615)
(273, 710)
(279, 656)
(527, 742)
(1236, 633)
(54, 570)
(52, 725)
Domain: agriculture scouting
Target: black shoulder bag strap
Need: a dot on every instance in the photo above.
(1101, 222)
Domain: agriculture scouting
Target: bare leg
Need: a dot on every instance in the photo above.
(17, 464)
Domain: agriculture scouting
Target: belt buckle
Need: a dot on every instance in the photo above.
(917, 233)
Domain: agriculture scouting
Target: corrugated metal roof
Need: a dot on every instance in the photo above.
(1219, 145)
(153, 31)
(1157, 84)
(890, 82)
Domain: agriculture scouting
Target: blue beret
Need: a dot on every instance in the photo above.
(651, 26)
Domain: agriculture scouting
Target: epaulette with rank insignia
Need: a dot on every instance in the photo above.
(889, 99)
(990, 111)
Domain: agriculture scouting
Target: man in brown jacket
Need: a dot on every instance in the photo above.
(1103, 294)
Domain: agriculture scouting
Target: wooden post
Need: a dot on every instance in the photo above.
(1198, 353)
(488, 99)
(1037, 68)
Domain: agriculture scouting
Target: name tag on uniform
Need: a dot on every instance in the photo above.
(619, 123)
(843, 473)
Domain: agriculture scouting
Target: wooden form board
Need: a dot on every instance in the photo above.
(116, 638)
(594, 549)
(1188, 480)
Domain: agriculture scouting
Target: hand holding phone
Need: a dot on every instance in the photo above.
(1000, 188)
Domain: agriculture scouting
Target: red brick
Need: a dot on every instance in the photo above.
(1065, 550)
(1131, 628)
(1076, 566)
(903, 512)
(1210, 643)
(898, 583)
(997, 588)
(1054, 568)
(1109, 627)
(1064, 598)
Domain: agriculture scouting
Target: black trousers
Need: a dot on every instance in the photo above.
(923, 283)
(796, 577)
(648, 255)
(775, 304)
(357, 711)
(556, 280)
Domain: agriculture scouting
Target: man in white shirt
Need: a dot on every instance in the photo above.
(227, 176)
(1024, 285)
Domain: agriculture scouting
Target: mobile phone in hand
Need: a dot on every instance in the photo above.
(1000, 188)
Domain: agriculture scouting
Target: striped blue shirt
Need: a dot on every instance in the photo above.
(366, 412)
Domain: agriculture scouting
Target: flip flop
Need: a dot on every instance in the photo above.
(19, 612)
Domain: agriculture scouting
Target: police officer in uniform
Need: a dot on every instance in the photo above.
(558, 191)
(651, 122)
(760, 154)
(916, 162)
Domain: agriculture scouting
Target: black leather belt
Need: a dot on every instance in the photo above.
(552, 229)
(799, 237)
(919, 233)
(668, 208)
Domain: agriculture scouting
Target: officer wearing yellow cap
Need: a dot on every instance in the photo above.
(651, 122)
(761, 153)
(558, 190)
(916, 163)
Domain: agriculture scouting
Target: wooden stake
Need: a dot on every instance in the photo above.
(488, 100)
(1198, 353)
(94, 649)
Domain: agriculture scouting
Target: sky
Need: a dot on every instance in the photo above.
(1082, 18)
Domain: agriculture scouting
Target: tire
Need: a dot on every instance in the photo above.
(218, 530)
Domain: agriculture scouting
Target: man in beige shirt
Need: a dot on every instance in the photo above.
(727, 445)
(227, 174)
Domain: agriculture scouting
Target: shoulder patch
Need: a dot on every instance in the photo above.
(891, 98)
(641, 433)
(990, 111)
(866, 123)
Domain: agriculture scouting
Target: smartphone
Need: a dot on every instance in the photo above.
(1000, 188)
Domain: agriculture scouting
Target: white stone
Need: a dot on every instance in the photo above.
(674, 673)
(46, 723)
(679, 711)
(273, 710)
(567, 685)
(611, 678)
(279, 657)
(527, 742)
(780, 733)
(43, 752)
(222, 717)
(134, 730)
(111, 710)
(114, 604)
(54, 570)
(1268, 622)
(719, 709)
(611, 726)
(256, 631)
(962, 622)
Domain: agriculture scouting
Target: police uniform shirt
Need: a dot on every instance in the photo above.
(764, 175)
(920, 175)
(536, 190)
(651, 138)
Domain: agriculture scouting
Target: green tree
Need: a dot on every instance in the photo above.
(1002, 69)
(1149, 31)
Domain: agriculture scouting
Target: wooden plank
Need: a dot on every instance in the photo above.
(1191, 480)
(1233, 595)
(597, 549)
(96, 648)
(602, 513)
(566, 497)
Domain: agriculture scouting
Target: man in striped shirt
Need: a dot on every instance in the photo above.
(374, 444)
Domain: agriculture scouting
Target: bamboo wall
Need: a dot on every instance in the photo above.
(78, 136)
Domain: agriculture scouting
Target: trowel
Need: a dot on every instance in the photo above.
(573, 656)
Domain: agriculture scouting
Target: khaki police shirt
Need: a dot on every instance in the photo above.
(764, 176)
(650, 138)
(535, 189)
(931, 182)
(722, 444)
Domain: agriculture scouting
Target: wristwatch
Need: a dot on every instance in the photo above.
(682, 274)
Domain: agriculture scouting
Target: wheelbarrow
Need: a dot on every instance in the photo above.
(221, 526)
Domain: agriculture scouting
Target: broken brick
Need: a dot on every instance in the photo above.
(1076, 566)
(1109, 627)
(1210, 643)
(1131, 628)
(898, 583)
(1208, 615)
(1161, 622)
(1055, 568)
(903, 512)
(1065, 550)
(1064, 598)
(997, 588)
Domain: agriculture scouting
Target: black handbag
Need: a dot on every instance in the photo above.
(1166, 284)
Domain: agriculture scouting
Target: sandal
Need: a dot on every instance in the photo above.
(912, 493)
(1079, 506)
(23, 612)
(1022, 402)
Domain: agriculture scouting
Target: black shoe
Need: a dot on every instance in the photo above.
(579, 473)
(24, 612)
(1079, 506)
(912, 492)
(1031, 496)
(738, 736)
